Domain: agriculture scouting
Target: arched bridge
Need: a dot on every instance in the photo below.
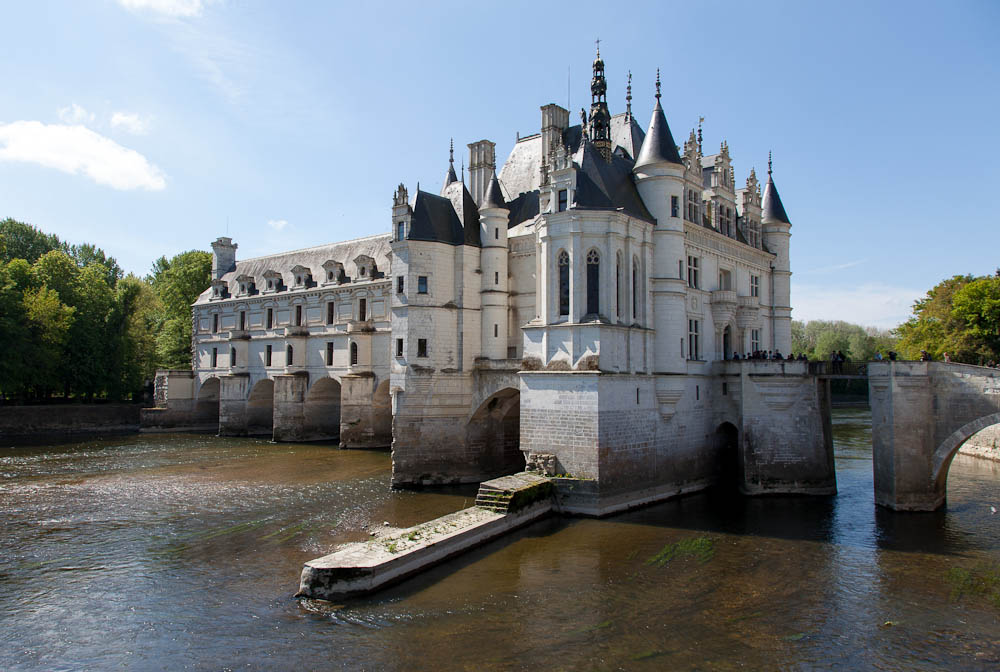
(922, 412)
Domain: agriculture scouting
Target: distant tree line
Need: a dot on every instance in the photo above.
(75, 326)
(818, 339)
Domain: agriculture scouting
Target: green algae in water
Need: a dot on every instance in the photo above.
(701, 549)
(983, 580)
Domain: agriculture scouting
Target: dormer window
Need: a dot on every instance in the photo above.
(273, 280)
(334, 272)
(365, 265)
(302, 275)
(362, 271)
(219, 289)
(246, 284)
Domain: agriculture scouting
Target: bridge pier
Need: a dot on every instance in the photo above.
(922, 412)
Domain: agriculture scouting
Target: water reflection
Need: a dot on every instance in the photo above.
(179, 551)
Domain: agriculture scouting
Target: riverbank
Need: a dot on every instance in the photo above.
(21, 421)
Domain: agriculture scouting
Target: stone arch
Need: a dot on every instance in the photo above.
(321, 410)
(729, 465)
(945, 453)
(494, 433)
(260, 408)
(207, 403)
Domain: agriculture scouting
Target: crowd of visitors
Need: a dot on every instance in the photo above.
(769, 355)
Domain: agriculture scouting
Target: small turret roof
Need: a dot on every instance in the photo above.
(659, 145)
(771, 205)
(493, 198)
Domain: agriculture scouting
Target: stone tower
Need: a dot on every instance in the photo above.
(493, 214)
(777, 235)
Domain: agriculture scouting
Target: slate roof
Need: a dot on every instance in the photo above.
(493, 198)
(523, 208)
(659, 145)
(312, 258)
(466, 210)
(604, 185)
(771, 204)
(434, 218)
(627, 134)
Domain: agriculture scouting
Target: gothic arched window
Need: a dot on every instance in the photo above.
(593, 282)
(563, 283)
(288, 356)
(635, 288)
(354, 354)
(618, 285)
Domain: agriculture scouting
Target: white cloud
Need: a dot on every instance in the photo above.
(75, 150)
(278, 224)
(131, 123)
(74, 114)
(171, 8)
(870, 304)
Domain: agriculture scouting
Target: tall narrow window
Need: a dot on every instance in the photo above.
(754, 285)
(618, 286)
(421, 347)
(354, 353)
(215, 357)
(693, 272)
(330, 312)
(298, 316)
(563, 283)
(289, 352)
(232, 356)
(563, 199)
(399, 284)
(754, 340)
(635, 289)
(694, 344)
(496, 331)
(496, 233)
(399, 347)
(400, 230)
(674, 206)
(421, 284)
(243, 320)
(496, 277)
(593, 282)
(267, 356)
(329, 353)
(270, 317)
(362, 309)
(215, 323)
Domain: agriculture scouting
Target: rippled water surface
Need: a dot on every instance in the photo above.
(183, 552)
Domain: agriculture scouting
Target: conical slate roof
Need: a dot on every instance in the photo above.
(659, 145)
(449, 178)
(771, 205)
(493, 198)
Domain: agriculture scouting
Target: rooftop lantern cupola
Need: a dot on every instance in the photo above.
(599, 125)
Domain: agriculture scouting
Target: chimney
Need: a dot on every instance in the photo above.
(482, 165)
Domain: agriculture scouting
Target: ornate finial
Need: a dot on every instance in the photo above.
(701, 120)
(769, 163)
(463, 171)
(598, 47)
(451, 152)
(657, 84)
(628, 97)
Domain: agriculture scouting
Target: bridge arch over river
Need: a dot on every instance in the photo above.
(922, 413)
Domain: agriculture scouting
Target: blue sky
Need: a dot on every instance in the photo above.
(149, 126)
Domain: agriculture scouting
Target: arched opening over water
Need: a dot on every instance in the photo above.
(726, 441)
(981, 436)
(322, 409)
(260, 408)
(207, 403)
(382, 412)
(494, 433)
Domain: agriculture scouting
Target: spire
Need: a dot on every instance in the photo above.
(659, 146)
(701, 120)
(599, 124)
(451, 176)
(771, 203)
(493, 198)
(628, 98)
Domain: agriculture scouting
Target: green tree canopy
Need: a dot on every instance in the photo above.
(937, 328)
(177, 282)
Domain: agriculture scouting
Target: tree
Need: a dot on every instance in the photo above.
(933, 326)
(976, 305)
(48, 320)
(23, 241)
(177, 283)
(86, 254)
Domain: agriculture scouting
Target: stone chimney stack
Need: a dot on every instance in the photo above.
(223, 257)
(555, 120)
(482, 165)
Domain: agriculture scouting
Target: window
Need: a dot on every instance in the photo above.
(635, 289)
(289, 354)
(331, 312)
(421, 284)
(354, 353)
(399, 284)
(270, 317)
(725, 279)
(329, 276)
(215, 357)
(243, 320)
(754, 285)
(298, 316)
(693, 272)
(496, 331)
(232, 356)
(399, 347)
(563, 199)
(754, 340)
(362, 309)
(400, 231)
(593, 282)
(363, 270)
(329, 353)
(267, 356)
(680, 269)
(421, 347)
(674, 206)
(618, 286)
(694, 344)
(215, 323)
(563, 283)
(496, 233)
(298, 279)
(496, 277)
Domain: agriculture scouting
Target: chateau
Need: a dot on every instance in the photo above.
(577, 310)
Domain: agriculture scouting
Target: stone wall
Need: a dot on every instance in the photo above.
(985, 444)
(29, 420)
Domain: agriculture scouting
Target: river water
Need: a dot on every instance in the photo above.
(169, 552)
